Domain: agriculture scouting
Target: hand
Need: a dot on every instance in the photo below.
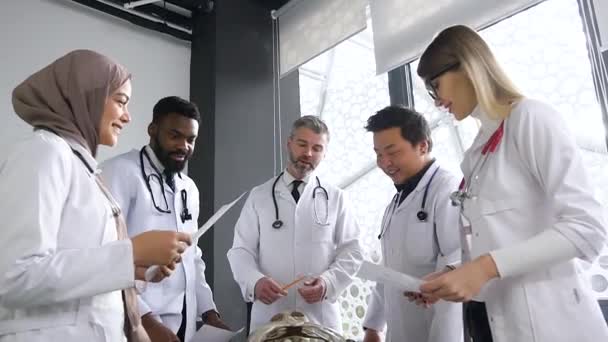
(212, 318)
(463, 283)
(157, 331)
(371, 335)
(162, 272)
(157, 247)
(425, 300)
(268, 291)
(313, 290)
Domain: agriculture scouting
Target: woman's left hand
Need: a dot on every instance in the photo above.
(419, 298)
(463, 283)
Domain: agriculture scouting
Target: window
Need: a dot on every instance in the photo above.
(341, 86)
(544, 51)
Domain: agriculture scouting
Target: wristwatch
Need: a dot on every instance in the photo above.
(205, 315)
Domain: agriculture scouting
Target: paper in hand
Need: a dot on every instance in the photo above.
(211, 221)
(210, 333)
(385, 275)
(151, 271)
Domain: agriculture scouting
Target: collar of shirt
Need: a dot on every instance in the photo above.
(154, 159)
(84, 152)
(288, 178)
(488, 125)
(411, 183)
(156, 162)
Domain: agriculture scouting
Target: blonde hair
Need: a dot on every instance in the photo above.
(461, 45)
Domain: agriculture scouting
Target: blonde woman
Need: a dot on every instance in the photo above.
(527, 209)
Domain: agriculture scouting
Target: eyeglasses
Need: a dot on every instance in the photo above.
(431, 89)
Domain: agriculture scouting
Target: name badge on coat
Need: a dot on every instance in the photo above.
(465, 237)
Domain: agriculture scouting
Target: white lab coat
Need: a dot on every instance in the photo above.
(419, 248)
(61, 266)
(300, 247)
(164, 300)
(535, 181)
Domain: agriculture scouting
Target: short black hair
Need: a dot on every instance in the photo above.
(174, 104)
(414, 127)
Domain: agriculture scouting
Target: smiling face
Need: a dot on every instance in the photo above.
(115, 115)
(173, 139)
(397, 157)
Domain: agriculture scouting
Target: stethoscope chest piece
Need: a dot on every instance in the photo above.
(422, 216)
(277, 224)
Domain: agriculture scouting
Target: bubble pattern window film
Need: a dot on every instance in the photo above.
(544, 51)
(341, 87)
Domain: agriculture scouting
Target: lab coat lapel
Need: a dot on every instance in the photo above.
(283, 194)
(473, 153)
(154, 166)
(420, 187)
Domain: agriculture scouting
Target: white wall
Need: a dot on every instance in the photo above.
(34, 33)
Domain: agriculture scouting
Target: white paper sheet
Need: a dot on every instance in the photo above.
(151, 271)
(381, 274)
(211, 221)
(210, 333)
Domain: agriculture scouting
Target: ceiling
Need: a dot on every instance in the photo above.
(173, 17)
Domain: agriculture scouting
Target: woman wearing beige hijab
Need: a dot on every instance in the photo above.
(64, 253)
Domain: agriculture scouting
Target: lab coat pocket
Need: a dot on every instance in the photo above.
(321, 233)
(39, 318)
(477, 207)
(65, 333)
(494, 224)
(558, 302)
(419, 239)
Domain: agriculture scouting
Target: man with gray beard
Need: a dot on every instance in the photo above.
(296, 244)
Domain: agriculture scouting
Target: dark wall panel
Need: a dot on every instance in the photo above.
(232, 81)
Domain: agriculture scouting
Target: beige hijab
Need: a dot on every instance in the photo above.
(68, 96)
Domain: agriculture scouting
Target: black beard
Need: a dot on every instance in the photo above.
(164, 157)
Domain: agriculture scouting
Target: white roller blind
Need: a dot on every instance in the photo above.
(307, 28)
(403, 28)
(601, 13)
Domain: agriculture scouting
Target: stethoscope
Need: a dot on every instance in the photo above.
(463, 192)
(422, 214)
(157, 176)
(277, 224)
(113, 205)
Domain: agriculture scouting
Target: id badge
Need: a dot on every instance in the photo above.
(465, 225)
(465, 238)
